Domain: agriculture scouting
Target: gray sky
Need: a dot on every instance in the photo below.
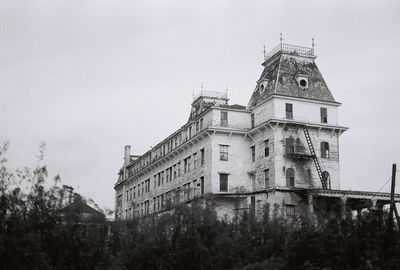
(88, 77)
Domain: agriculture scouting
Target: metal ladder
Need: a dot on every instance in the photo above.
(314, 157)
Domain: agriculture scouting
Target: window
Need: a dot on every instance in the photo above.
(201, 123)
(290, 211)
(162, 178)
(138, 190)
(179, 169)
(224, 119)
(223, 182)
(202, 157)
(290, 177)
(252, 120)
(327, 179)
(195, 161)
(202, 184)
(197, 126)
(266, 148)
(252, 205)
(134, 192)
(289, 146)
(175, 171)
(324, 150)
(185, 165)
(289, 111)
(266, 178)
(223, 152)
(189, 166)
(324, 115)
(253, 153)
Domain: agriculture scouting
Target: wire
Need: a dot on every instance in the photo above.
(387, 181)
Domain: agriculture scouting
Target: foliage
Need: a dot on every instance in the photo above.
(33, 236)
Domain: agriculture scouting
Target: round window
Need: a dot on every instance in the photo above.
(303, 83)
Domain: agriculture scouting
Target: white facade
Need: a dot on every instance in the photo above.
(241, 157)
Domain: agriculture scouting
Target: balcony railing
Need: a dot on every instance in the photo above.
(211, 94)
(292, 49)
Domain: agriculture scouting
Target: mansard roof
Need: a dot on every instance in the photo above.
(282, 69)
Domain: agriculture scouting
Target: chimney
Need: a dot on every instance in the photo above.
(127, 158)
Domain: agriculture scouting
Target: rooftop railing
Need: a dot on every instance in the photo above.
(211, 94)
(292, 49)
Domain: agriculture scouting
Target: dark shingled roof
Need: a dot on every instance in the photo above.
(281, 70)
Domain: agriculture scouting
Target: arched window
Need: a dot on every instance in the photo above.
(290, 177)
(327, 179)
(324, 150)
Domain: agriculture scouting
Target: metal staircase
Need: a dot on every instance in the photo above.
(314, 157)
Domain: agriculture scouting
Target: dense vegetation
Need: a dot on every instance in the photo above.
(32, 236)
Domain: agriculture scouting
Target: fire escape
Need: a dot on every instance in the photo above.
(291, 153)
(315, 158)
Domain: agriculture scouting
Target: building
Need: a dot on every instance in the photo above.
(280, 151)
(79, 212)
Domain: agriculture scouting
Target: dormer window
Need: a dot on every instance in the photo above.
(262, 85)
(302, 81)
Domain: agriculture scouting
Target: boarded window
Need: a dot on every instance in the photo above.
(290, 177)
(223, 152)
(266, 148)
(223, 182)
(266, 178)
(289, 110)
(253, 153)
(324, 115)
(289, 146)
(224, 119)
(324, 150)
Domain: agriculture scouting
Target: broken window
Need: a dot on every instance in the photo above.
(290, 177)
(223, 182)
(324, 150)
(324, 115)
(224, 119)
(327, 178)
(289, 145)
(223, 152)
(289, 110)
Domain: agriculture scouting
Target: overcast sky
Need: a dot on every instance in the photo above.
(88, 77)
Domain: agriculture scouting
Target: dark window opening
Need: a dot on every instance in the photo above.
(252, 120)
(324, 115)
(224, 119)
(289, 146)
(324, 150)
(327, 179)
(266, 148)
(290, 177)
(303, 83)
(289, 111)
(223, 182)
(253, 153)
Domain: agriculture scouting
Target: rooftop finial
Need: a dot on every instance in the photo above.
(313, 44)
(281, 38)
(226, 89)
(201, 87)
(265, 58)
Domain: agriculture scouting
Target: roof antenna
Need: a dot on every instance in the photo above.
(265, 57)
(313, 44)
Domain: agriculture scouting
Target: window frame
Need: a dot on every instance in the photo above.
(289, 110)
(223, 155)
(224, 119)
(223, 182)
